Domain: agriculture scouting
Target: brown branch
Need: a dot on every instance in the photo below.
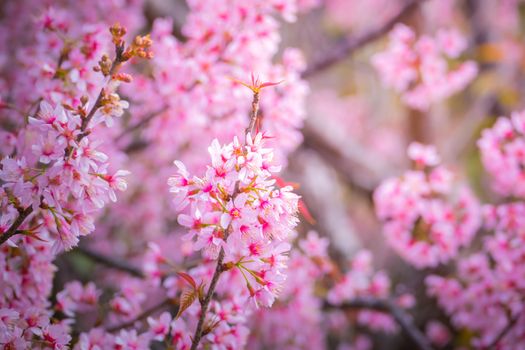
(254, 114)
(504, 332)
(350, 162)
(13, 230)
(143, 315)
(121, 265)
(401, 317)
(219, 269)
(348, 46)
(141, 123)
(206, 303)
(111, 262)
(98, 103)
(462, 136)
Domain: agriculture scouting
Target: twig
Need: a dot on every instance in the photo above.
(142, 316)
(219, 269)
(205, 304)
(141, 123)
(345, 162)
(253, 114)
(111, 262)
(114, 66)
(504, 332)
(463, 134)
(401, 317)
(13, 230)
(349, 45)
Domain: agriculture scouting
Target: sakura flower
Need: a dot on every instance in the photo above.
(423, 155)
(48, 149)
(48, 116)
(418, 67)
(12, 169)
(503, 154)
(96, 339)
(437, 333)
(426, 217)
(57, 336)
(314, 245)
(245, 215)
(160, 327)
(116, 182)
(131, 340)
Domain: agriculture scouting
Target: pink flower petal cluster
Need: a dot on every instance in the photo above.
(427, 214)
(420, 68)
(362, 281)
(296, 320)
(236, 207)
(503, 154)
(64, 179)
(484, 295)
(76, 298)
(19, 329)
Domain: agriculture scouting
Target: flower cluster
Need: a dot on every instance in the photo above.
(421, 68)
(296, 319)
(187, 97)
(503, 154)
(485, 295)
(19, 329)
(59, 175)
(427, 215)
(362, 281)
(55, 179)
(199, 279)
(236, 208)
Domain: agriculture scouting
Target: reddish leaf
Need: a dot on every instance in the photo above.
(186, 299)
(303, 209)
(263, 85)
(201, 292)
(188, 279)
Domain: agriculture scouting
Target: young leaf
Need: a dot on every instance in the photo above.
(188, 279)
(186, 299)
(201, 292)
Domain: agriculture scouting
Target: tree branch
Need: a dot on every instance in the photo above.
(143, 315)
(111, 262)
(141, 123)
(347, 163)
(504, 332)
(98, 103)
(349, 45)
(206, 303)
(401, 317)
(13, 230)
(219, 269)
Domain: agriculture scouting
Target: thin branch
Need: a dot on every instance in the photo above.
(348, 46)
(141, 123)
(13, 230)
(219, 269)
(111, 262)
(98, 103)
(348, 162)
(206, 303)
(23, 214)
(463, 134)
(146, 313)
(254, 114)
(504, 332)
(401, 317)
